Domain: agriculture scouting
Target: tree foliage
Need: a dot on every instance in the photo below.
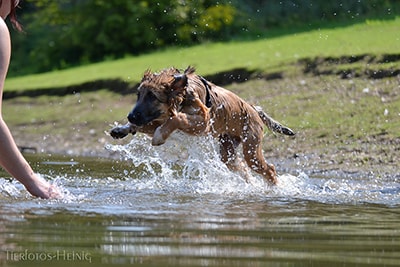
(63, 33)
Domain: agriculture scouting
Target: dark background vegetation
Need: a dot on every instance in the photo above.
(60, 33)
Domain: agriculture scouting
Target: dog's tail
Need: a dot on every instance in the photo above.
(272, 124)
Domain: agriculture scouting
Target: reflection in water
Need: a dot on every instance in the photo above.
(234, 233)
(183, 207)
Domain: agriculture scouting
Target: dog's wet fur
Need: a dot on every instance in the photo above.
(171, 100)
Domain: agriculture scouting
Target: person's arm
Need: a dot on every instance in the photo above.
(11, 158)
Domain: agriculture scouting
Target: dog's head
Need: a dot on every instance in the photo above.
(156, 93)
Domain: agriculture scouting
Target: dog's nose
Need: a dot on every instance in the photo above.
(133, 117)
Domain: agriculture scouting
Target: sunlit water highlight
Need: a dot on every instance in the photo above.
(178, 204)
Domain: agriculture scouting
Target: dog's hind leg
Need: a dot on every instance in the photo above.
(228, 145)
(252, 151)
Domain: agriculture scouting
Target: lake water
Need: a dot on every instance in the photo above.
(178, 205)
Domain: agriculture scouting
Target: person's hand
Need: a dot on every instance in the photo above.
(43, 189)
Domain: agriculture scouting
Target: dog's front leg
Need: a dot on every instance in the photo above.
(121, 131)
(194, 123)
(165, 130)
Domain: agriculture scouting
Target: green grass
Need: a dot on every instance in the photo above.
(265, 55)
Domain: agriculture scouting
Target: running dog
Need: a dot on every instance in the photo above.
(171, 100)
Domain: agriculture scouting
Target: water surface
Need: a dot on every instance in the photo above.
(180, 206)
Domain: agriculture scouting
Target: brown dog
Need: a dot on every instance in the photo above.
(171, 100)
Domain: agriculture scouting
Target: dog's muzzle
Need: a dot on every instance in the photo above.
(138, 118)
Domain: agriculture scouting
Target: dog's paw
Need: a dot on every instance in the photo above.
(116, 133)
(157, 138)
(119, 132)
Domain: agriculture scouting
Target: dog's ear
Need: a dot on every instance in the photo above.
(179, 83)
(147, 74)
(190, 70)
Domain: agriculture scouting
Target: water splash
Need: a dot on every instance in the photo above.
(9, 189)
(188, 165)
(12, 190)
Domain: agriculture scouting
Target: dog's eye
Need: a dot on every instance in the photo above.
(151, 97)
